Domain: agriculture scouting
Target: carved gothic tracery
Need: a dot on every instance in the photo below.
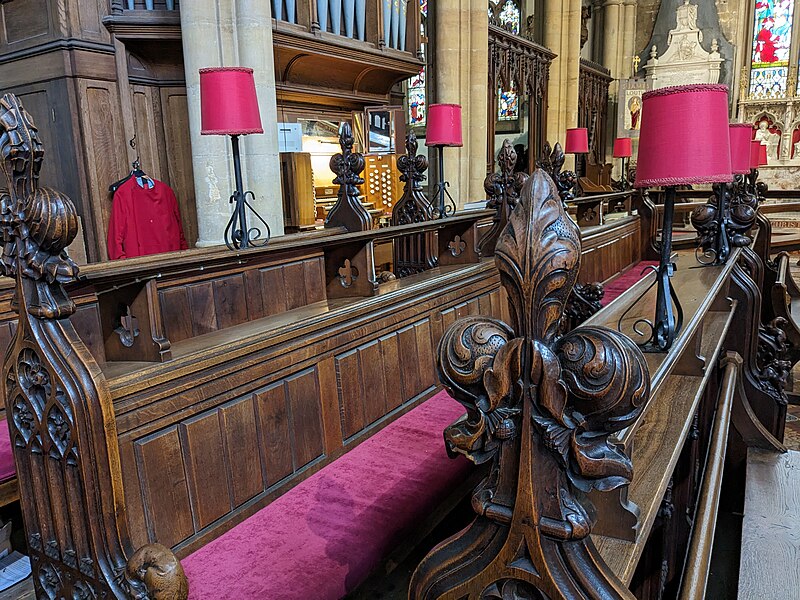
(413, 254)
(540, 409)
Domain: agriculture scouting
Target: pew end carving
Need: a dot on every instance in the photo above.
(541, 410)
(60, 412)
(502, 190)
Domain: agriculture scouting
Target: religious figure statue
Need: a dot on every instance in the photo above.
(768, 138)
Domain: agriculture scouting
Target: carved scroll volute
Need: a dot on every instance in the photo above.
(540, 409)
(60, 413)
(502, 190)
(348, 212)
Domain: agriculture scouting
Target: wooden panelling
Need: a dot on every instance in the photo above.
(87, 323)
(201, 444)
(302, 392)
(610, 251)
(175, 112)
(243, 462)
(275, 444)
(200, 307)
(104, 147)
(378, 376)
(163, 484)
(24, 23)
(223, 457)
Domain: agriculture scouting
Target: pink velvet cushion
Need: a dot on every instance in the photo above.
(7, 467)
(321, 539)
(624, 282)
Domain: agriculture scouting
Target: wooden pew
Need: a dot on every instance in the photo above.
(177, 395)
(636, 442)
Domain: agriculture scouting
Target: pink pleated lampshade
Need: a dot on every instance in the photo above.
(684, 136)
(228, 102)
(623, 148)
(444, 125)
(740, 134)
(758, 154)
(577, 141)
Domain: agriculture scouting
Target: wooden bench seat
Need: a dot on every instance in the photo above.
(771, 529)
(325, 536)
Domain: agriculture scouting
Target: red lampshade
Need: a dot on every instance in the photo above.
(577, 141)
(740, 147)
(228, 102)
(623, 148)
(684, 136)
(444, 125)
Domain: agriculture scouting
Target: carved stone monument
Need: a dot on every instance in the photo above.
(685, 60)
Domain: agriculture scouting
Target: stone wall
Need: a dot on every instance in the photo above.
(727, 10)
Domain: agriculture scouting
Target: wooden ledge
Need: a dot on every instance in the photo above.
(198, 354)
(657, 444)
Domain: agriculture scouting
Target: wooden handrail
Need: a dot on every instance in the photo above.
(698, 560)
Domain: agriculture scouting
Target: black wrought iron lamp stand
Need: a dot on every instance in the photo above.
(238, 236)
(668, 318)
(444, 207)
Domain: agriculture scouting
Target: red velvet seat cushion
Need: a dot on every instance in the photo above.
(624, 282)
(321, 539)
(7, 467)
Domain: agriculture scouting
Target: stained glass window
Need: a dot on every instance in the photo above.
(507, 105)
(423, 7)
(509, 17)
(416, 99)
(772, 34)
(505, 14)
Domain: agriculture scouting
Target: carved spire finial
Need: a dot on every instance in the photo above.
(348, 212)
(541, 410)
(502, 190)
(413, 254)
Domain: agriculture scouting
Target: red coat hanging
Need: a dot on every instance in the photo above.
(144, 220)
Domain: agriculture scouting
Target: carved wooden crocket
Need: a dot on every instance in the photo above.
(540, 410)
(502, 191)
(60, 413)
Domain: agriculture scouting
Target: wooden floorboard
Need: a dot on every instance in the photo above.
(771, 532)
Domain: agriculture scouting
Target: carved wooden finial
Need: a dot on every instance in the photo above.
(413, 254)
(540, 409)
(348, 212)
(502, 191)
(413, 206)
(61, 417)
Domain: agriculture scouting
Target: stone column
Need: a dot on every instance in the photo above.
(478, 61)
(628, 40)
(563, 36)
(612, 32)
(210, 32)
(262, 166)
(462, 63)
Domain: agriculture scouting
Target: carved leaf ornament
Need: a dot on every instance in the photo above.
(541, 408)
